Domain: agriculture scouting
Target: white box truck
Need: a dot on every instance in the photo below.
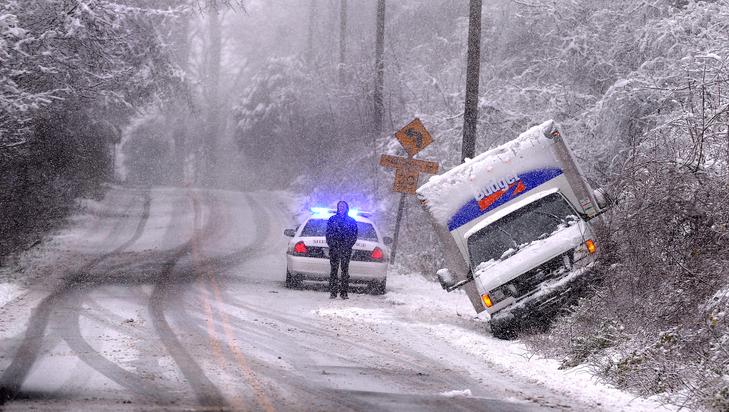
(514, 224)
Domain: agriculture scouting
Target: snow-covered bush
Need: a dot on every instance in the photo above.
(75, 54)
(655, 132)
(71, 72)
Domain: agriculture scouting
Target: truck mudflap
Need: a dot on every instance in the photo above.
(537, 309)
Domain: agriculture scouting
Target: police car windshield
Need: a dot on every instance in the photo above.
(532, 222)
(318, 227)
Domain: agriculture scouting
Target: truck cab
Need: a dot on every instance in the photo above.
(514, 223)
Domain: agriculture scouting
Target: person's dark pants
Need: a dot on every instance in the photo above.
(337, 258)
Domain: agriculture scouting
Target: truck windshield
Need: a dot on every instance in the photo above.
(535, 221)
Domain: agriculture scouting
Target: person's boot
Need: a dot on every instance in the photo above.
(344, 296)
(332, 296)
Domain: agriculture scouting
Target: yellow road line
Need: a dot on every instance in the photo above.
(253, 382)
(240, 359)
(238, 401)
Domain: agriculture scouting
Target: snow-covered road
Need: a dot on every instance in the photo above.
(174, 299)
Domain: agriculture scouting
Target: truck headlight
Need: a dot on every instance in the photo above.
(487, 300)
(494, 296)
(585, 249)
(591, 247)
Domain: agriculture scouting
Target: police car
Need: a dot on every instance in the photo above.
(307, 257)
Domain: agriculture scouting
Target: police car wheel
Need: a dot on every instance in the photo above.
(378, 287)
(292, 282)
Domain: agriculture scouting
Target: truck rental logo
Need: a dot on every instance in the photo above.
(494, 191)
(500, 192)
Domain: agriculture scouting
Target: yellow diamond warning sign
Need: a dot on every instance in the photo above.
(414, 137)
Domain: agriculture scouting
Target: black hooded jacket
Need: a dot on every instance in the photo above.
(341, 232)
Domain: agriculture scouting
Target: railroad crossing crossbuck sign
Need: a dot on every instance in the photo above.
(414, 137)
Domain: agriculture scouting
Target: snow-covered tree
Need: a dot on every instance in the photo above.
(71, 74)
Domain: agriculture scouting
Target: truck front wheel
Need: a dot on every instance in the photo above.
(505, 329)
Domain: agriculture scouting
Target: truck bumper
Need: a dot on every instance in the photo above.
(550, 299)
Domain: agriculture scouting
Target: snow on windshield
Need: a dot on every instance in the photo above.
(515, 231)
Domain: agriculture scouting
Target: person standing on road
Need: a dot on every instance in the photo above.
(341, 237)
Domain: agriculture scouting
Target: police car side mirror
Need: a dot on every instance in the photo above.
(290, 232)
(387, 240)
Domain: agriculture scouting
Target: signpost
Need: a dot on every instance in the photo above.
(414, 137)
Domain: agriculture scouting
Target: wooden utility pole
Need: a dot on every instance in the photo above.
(473, 70)
(342, 38)
(312, 30)
(379, 109)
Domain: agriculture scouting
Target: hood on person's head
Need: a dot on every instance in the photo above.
(342, 208)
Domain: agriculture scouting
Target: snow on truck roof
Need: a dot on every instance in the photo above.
(445, 194)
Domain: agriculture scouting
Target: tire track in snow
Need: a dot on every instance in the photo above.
(91, 230)
(206, 393)
(27, 354)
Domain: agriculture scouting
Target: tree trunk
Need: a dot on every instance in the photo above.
(379, 109)
(213, 94)
(178, 113)
(473, 69)
(332, 19)
(342, 38)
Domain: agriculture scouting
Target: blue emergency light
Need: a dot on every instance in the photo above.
(325, 212)
(321, 211)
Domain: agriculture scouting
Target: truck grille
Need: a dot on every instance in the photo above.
(528, 282)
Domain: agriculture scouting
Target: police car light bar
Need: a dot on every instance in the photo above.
(322, 211)
(326, 212)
